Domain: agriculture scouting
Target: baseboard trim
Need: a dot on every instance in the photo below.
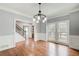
(74, 49)
(9, 47)
(59, 43)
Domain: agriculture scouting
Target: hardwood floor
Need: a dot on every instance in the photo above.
(39, 48)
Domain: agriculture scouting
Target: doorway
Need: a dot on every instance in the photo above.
(26, 34)
(63, 31)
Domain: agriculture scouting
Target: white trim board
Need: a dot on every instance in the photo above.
(65, 14)
(13, 11)
(40, 36)
(7, 42)
(74, 42)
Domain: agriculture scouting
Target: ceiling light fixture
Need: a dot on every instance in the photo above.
(39, 17)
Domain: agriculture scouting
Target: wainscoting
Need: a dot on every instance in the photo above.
(7, 42)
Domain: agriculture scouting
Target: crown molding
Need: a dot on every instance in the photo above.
(65, 14)
(13, 11)
(19, 13)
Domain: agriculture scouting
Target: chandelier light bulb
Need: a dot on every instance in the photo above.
(45, 19)
(38, 17)
(34, 19)
(37, 21)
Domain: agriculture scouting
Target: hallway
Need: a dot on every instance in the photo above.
(39, 48)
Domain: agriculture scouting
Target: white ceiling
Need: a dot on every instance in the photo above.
(30, 9)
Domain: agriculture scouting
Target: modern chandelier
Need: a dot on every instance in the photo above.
(39, 17)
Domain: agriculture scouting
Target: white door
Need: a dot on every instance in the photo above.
(63, 31)
(59, 32)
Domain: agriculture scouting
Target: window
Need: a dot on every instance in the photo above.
(59, 31)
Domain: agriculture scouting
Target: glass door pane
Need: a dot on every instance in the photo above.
(51, 32)
(63, 31)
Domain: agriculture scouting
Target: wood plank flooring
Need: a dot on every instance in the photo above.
(39, 48)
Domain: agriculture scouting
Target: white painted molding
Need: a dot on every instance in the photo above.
(20, 13)
(24, 21)
(61, 15)
(40, 36)
(7, 42)
(74, 41)
(13, 11)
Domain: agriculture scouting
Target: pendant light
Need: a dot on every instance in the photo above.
(39, 17)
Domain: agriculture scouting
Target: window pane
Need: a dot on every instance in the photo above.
(51, 32)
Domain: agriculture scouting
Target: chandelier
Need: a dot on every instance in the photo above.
(39, 17)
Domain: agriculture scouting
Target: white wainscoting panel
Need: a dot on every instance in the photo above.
(7, 42)
(40, 36)
(74, 41)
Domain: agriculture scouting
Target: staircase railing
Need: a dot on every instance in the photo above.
(20, 31)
